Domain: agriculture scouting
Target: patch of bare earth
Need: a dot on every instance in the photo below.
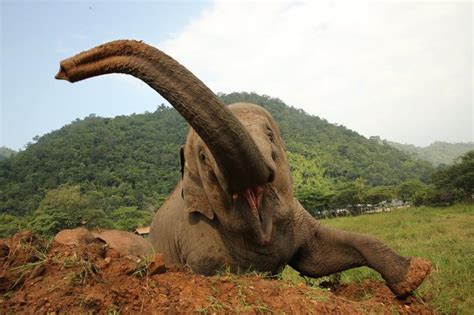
(41, 278)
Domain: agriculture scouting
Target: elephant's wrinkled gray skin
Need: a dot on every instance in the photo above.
(234, 206)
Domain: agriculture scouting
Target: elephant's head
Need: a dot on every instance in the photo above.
(234, 165)
(254, 209)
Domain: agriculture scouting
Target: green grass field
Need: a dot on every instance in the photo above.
(443, 235)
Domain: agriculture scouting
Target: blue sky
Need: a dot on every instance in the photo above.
(37, 35)
(401, 70)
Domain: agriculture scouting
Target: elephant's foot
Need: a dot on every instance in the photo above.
(418, 269)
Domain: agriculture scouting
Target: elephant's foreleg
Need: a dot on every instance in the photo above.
(326, 251)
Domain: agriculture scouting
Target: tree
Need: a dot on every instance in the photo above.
(456, 183)
(345, 197)
(312, 188)
(375, 195)
(409, 188)
(67, 207)
(6, 152)
(129, 218)
(10, 224)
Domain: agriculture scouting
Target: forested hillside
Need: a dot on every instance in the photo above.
(127, 165)
(438, 152)
(132, 160)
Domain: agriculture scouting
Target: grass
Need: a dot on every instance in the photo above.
(142, 268)
(86, 270)
(39, 257)
(443, 235)
(215, 306)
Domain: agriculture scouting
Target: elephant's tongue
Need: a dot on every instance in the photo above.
(254, 198)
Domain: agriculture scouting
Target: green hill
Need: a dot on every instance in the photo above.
(133, 161)
(438, 152)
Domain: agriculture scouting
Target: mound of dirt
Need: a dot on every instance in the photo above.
(41, 278)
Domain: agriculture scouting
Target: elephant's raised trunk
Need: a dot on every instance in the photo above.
(232, 147)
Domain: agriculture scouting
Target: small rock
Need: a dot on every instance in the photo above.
(112, 253)
(128, 267)
(4, 249)
(21, 299)
(157, 265)
(38, 271)
(4, 283)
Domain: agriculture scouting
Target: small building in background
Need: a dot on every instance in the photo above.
(143, 231)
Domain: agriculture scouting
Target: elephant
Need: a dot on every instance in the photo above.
(123, 243)
(234, 207)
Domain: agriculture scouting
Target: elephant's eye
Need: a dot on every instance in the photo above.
(202, 156)
(270, 135)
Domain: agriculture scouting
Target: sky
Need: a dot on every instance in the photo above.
(401, 70)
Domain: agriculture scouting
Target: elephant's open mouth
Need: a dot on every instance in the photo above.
(254, 198)
(261, 220)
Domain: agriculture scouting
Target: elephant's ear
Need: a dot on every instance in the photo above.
(194, 194)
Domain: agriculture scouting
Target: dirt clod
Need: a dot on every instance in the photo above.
(4, 249)
(86, 278)
(157, 265)
(112, 253)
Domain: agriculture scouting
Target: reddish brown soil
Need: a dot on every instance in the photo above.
(65, 279)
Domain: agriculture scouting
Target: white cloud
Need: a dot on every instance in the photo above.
(400, 70)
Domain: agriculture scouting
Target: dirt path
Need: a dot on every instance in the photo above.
(58, 279)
